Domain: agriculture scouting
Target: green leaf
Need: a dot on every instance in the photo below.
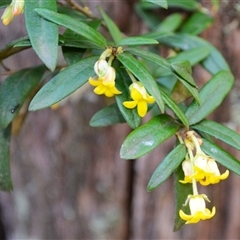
(194, 55)
(188, 5)
(14, 47)
(175, 108)
(15, 90)
(63, 84)
(5, 170)
(161, 3)
(170, 23)
(107, 116)
(112, 27)
(165, 64)
(219, 131)
(167, 166)
(72, 54)
(43, 34)
(131, 41)
(181, 193)
(148, 136)
(221, 156)
(211, 96)
(197, 23)
(79, 27)
(122, 83)
(5, 3)
(184, 70)
(140, 71)
(214, 63)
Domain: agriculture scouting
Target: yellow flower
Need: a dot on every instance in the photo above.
(105, 84)
(198, 209)
(15, 8)
(206, 170)
(140, 98)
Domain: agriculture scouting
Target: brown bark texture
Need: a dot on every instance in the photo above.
(69, 181)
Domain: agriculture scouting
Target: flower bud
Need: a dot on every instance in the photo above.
(101, 67)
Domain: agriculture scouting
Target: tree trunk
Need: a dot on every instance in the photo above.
(70, 183)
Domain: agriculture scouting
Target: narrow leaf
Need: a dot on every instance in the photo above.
(219, 131)
(175, 108)
(181, 193)
(14, 91)
(5, 3)
(43, 34)
(161, 3)
(131, 41)
(167, 166)
(214, 63)
(107, 116)
(148, 136)
(14, 47)
(5, 170)
(194, 55)
(140, 71)
(63, 84)
(184, 70)
(79, 27)
(112, 27)
(211, 96)
(221, 156)
(122, 83)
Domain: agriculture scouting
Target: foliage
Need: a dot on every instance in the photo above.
(132, 71)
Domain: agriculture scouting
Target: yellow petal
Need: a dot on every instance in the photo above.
(150, 99)
(108, 93)
(224, 175)
(136, 95)
(142, 108)
(94, 82)
(114, 90)
(130, 104)
(184, 216)
(100, 89)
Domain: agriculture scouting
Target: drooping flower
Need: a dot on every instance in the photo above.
(140, 97)
(15, 8)
(198, 209)
(200, 167)
(206, 170)
(105, 84)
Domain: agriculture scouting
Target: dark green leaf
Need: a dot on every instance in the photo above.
(14, 47)
(161, 3)
(221, 156)
(112, 27)
(130, 41)
(219, 131)
(122, 83)
(107, 116)
(80, 28)
(43, 34)
(14, 91)
(65, 83)
(167, 166)
(140, 71)
(148, 136)
(5, 3)
(181, 193)
(72, 54)
(211, 96)
(184, 70)
(197, 23)
(188, 5)
(175, 108)
(5, 170)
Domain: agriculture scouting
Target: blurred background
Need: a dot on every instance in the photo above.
(69, 181)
